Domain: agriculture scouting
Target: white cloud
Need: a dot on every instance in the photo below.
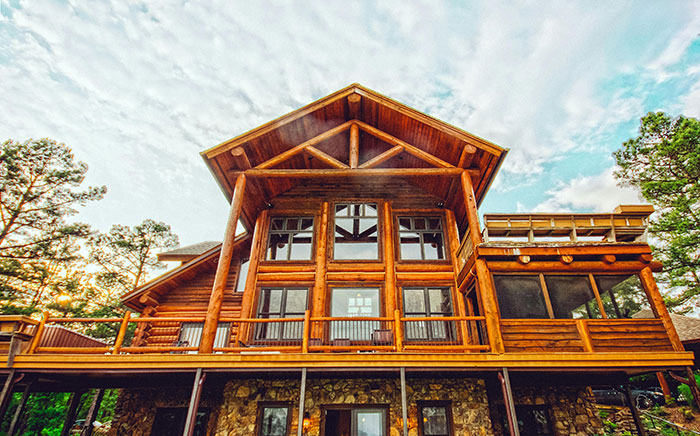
(597, 193)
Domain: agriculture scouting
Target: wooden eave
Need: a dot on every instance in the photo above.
(384, 123)
(164, 283)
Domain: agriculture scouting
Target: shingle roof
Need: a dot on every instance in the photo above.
(688, 328)
(193, 250)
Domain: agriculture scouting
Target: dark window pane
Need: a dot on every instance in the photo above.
(277, 247)
(432, 246)
(435, 421)
(623, 296)
(520, 297)
(410, 246)
(421, 238)
(440, 301)
(290, 238)
(571, 296)
(277, 224)
(274, 421)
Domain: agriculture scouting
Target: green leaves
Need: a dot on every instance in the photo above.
(664, 163)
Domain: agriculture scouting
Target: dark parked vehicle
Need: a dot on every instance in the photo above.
(642, 398)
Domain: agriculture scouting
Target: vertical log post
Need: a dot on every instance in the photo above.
(504, 378)
(404, 402)
(92, 413)
(483, 275)
(390, 297)
(211, 321)
(302, 401)
(256, 247)
(39, 331)
(318, 308)
(664, 385)
(354, 146)
(307, 330)
(122, 332)
(635, 413)
(398, 332)
(659, 308)
(72, 412)
(20, 409)
(6, 393)
(199, 378)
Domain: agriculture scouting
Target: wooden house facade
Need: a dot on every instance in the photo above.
(364, 296)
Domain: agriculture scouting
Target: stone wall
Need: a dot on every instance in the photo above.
(136, 408)
(468, 398)
(572, 411)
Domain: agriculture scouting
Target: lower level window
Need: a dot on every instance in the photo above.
(532, 421)
(435, 418)
(273, 420)
(171, 421)
(358, 421)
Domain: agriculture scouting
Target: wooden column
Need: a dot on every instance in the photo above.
(635, 413)
(453, 245)
(199, 378)
(504, 378)
(318, 308)
(483, 275)
(664, 385)
(6, 394)
(92, 413)
(390, 294)
(20, 409)
(659, 308)
(404, 402)
(354, 146)
(302, 400)
(72, 412)
(211, 321)
(256, 250)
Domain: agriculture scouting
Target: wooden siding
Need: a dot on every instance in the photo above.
(540, 335)
(629, 334)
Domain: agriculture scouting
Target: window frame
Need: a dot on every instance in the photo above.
(591, 276)
(380, 229)
(182, 411)
(272, 404)
(283, 302)
(451, 335)
(402, 214)
(292, 214)
(446, 404)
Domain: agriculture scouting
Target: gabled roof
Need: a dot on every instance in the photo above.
(188, 252)
(391, 135)
(164, 283)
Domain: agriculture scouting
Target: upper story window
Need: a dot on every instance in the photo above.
(290, 238)
(421, 238)
(428, 302)
(281, 303)
(570, 296)
(356, 231)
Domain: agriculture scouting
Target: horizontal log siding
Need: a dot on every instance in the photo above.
(540, 335)
(629, 334)
(191, 299)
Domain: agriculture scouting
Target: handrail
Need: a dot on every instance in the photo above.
(672, 424)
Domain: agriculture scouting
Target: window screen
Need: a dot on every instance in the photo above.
(435, 419)
(421, 238)
(572, 296)
(623, 296)
(520, 296)
(274, 421)
(356, 231)
(290, 238)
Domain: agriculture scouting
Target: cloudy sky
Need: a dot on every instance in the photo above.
(139, 88)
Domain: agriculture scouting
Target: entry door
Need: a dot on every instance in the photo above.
(355, 422)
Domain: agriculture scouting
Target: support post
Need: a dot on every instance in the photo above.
(72, 412)
(122, 332)
(354, 145)
(488, 300)
(389, 263)
(659, 308)
(92, 413)
(199, 378)
(302, 398)
(319, 292)
(693, 385)
(37, 334)
(6, 393)
(635, 412)
(404, 402)
(398, 332)
(509, 403)
(307, 330)
(20, 409)
(211, 322)
(256, 247)
(664, 385)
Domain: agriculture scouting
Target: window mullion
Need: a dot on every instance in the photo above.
(598, 298)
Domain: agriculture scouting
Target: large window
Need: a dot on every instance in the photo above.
(242, 275)
(356, 231)
(567, 296)
(281, 303)
(355, 421)
(428, 302)
(435, 418)
(290, 238)
(191, 334)
(273, 419)
(355, 303)
(421, 238)
(532, 421)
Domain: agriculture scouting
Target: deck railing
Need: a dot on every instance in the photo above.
(253, 335)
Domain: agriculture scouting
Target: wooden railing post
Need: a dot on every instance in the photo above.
(122, 332)
(585, 335)
(39, 331)
(211, 322)
(307, 330)
(489, 301)
(398, 332)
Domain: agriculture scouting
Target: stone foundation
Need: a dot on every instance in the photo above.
(234, 406)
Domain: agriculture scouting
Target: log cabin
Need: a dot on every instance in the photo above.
(356, 291)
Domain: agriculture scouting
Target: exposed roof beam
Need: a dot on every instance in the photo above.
(379, 159)
(411, 149)
(398, 172)
(325, 158)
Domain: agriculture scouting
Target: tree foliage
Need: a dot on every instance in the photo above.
(39, 190)
(664, 163)
(125, 254)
